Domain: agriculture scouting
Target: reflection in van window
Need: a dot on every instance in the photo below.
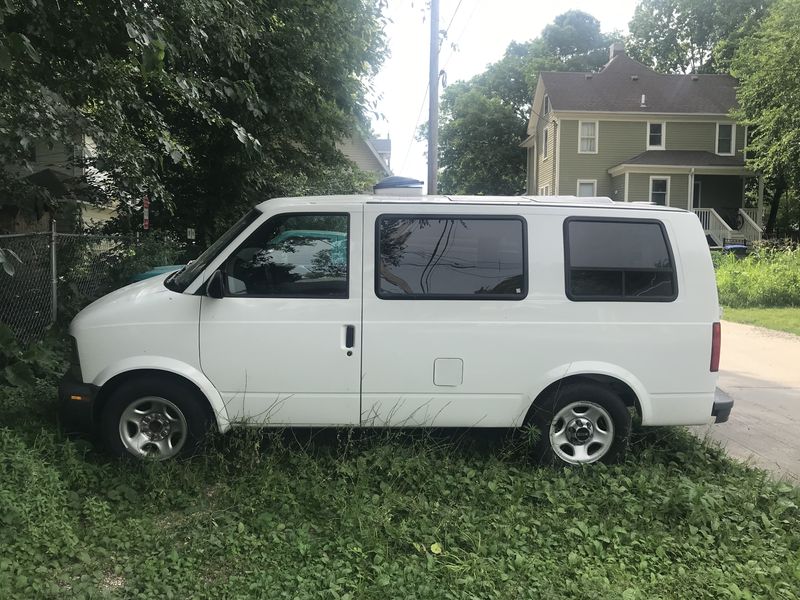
(292, 255)
(618, 260)
(445, 257)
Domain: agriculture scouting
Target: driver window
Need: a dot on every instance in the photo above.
(295, 256)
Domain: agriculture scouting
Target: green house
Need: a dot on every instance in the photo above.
(635, 135)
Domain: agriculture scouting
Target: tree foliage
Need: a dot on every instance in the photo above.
(698, 36)
(202, 105)
(483, 120)
(767, 65)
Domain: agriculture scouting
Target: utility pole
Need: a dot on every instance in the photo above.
(433, 104)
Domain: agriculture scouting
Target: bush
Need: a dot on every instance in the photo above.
(768, 277)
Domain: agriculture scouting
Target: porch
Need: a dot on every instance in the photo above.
(711, 186)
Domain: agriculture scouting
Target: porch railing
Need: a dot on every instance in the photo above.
(714, 225)
(752, 213)
(750, 229)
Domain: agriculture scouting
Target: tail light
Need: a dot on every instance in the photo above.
(715, 345)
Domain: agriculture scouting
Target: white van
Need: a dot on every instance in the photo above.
(560, 312)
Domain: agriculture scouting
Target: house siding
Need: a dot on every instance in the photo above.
(639, 188)
(617, 142)
(545, 173)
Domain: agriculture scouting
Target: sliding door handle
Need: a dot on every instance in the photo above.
(350, 336)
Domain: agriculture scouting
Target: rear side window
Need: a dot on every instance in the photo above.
(451, 257)
(618, 260)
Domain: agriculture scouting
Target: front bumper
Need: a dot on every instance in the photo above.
(723, 404)
(76, 405)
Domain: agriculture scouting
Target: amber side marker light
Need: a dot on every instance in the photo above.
(78, 397)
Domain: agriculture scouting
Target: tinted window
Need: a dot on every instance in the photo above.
(292, 255)
(618, 260)
(446, 257)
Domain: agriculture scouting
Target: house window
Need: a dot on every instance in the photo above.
(659, 190)
(544, 190)
(725, 133)
(587, 187)
(544, 142)
(546, 105)
(587, 137)
(655, 136)
(461, 257)
(618, 260)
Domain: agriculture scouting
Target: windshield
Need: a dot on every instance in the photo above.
(181, 280)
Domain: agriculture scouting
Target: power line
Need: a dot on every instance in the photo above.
(416, 125)
(447, 29)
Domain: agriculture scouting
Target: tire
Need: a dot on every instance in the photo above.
(154, 418)
(581, 423)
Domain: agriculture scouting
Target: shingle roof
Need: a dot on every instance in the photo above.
(381, 144)
(619, 86)
(691, 158)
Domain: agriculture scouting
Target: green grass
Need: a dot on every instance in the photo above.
(379, 516)
(768, 277)
(780, 319)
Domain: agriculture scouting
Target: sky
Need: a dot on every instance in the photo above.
(480, 30)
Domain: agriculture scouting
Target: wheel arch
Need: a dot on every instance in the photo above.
(111, 379)
(621, 382)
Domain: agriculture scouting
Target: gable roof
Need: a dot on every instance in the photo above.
(619, 87)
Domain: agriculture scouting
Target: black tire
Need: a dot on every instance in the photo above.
(174, 411)
(606, 440)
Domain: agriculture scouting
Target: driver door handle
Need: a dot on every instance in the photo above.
(350, 336)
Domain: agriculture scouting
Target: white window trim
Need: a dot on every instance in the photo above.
(650, 186)
(546, 108)
(544, 190)
(733, 139)
(545, 143)
(596, 136)
(663, 135)
(592, 181)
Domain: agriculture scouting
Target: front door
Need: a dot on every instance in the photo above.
(281, 345)
(696, 194)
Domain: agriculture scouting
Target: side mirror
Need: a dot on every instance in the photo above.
(215, 287)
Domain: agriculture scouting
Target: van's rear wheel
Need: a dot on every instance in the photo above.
(154, 418)
(581, 424)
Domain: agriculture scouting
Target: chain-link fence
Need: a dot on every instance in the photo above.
(59, 273)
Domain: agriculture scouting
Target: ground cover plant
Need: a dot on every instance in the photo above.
(342, 514)
(780, 319)
(767, 277)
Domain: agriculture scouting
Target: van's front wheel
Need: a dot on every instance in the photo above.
(153, 418)
(581, 424)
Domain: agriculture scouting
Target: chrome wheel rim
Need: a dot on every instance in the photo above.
(581, 433)
(153, 427)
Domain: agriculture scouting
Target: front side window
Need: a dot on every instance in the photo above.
(295, 256)
(618, 260)
(588, 137)
(724, 138)
(655, 136)
(456, 258)
(659, 190)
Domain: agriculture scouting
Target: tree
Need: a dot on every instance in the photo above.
(202, 105)
(483, 120)
(699, 36)
(767, 64)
